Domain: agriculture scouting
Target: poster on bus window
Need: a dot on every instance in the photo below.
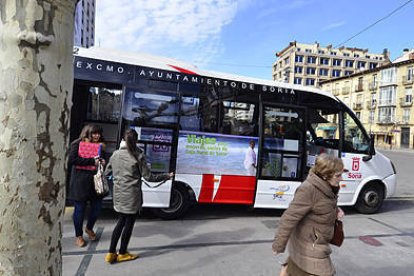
(158, 156)
(208, 153)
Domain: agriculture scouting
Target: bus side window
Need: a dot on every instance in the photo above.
(323, 132)
(355, 140)
(209, 109)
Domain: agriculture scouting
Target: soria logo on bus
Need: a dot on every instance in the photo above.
(356, 161)
(280, 191)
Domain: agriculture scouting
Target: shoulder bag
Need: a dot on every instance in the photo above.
(100, 181)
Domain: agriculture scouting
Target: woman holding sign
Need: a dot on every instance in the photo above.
(85, 154)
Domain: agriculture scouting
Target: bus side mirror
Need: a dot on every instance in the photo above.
(371, 150)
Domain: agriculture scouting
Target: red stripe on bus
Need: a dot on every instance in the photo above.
(236, 189)
(182, 70)
(207, 189)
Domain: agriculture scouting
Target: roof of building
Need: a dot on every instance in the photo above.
(406, 58)
(407, 55)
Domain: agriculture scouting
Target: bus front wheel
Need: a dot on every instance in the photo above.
(370, 198)
(180, 201)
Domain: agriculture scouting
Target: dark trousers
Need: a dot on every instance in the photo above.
(124, 227)
(79, 215)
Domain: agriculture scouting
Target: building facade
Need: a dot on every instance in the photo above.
(84, 29)
(310, 64)
(382, 98)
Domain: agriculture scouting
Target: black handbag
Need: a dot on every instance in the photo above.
(338, 237)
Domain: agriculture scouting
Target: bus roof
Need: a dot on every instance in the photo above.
(164, 63)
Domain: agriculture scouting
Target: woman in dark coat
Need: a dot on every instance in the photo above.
(82, 188)
(127, 165)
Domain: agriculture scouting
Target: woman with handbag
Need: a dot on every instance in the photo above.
(307, 226)
(127, 165)
(82, 188)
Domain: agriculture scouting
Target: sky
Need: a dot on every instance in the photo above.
(243, 36)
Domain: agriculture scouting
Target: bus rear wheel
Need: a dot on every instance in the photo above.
(370, 199)
(180, 201)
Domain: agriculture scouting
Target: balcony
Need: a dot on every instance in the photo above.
(405, 120)
(357, 106)
(371, 105)
(359, 88)
(345, 90)
(408, 79)
(386, 120)
(387, 102)
(372, 86)
(406, 101)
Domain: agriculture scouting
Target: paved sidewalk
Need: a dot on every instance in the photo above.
(234, 241)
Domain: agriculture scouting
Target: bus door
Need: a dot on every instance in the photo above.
(281, 155)
(151, 109)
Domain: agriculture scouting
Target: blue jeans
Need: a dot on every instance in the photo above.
(79, 215)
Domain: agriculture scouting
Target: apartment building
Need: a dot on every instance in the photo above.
(310, 64)
(84, 29)
(382, 98)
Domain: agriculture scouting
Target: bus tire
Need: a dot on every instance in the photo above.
(180, 201)
(370, 198)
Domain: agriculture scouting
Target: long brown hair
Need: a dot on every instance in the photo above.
(87, 131)
(131, 138)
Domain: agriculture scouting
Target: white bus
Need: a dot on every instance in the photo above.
(199, 124)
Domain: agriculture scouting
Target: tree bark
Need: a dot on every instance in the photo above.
(36, 79)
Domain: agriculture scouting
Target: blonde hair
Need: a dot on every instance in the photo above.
(326, 166)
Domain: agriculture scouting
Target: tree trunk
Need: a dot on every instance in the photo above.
(36, 79)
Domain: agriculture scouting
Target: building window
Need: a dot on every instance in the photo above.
(408, 95)
(410, 73)
(386, 114)
(387, 96)
(311, 59)
(333, 53)
(374, 82)
(310, 81)
(311, 70)
(298, 58)
(336, 73)
(323, 72)
(308, 50)
(297, 49)
(347, 73)
(373, 65)
(286, 61)
(358, 115)
(388, 75)
(356, 55)
(297, 81)
(361, 64)
(346, 54)
(349, 63)
(298, 69)
(321, 52)
(406, 115)
(371, 116)
(336, 62)
(324, 61)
